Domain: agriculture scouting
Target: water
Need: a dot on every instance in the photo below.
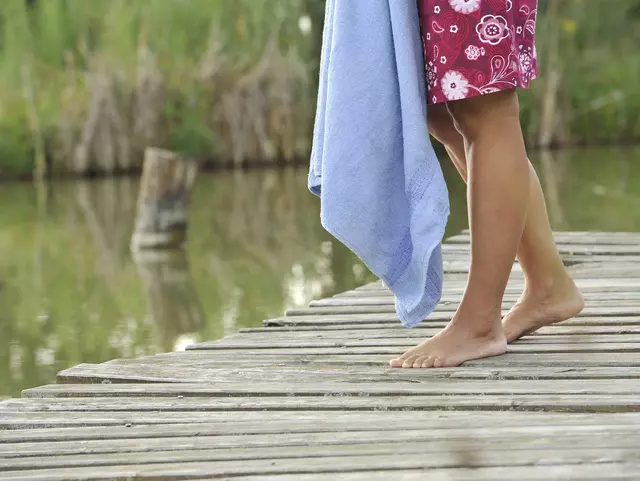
(70, 291)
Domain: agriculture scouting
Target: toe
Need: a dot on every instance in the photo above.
(399, 361)
(438, 362)
(408, 362)
(396, 362)
(428, 363)
(418, 362)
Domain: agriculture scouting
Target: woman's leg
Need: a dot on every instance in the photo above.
(498, 194)
(441, 127)
(550, 294)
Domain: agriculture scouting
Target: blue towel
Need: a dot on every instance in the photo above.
(381, 186)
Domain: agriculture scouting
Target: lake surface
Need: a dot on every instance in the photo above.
(70, 291)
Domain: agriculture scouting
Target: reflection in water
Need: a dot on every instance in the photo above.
(70, 291)
(173, 306)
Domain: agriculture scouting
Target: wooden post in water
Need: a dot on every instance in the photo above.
(163, 201)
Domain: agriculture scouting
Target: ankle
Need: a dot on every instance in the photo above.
(551, 286)
(478, 322)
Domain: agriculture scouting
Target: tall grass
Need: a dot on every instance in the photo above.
(94, 82)
(589, 65)
(85, 85)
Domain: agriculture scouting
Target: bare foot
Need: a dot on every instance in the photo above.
(537, 309)
(454, 345)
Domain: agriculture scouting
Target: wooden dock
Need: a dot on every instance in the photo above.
(309, 396)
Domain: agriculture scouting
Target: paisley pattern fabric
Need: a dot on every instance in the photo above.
(476, 47)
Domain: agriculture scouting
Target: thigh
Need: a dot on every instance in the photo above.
(489, 113)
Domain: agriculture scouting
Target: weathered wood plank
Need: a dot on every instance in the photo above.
(573, 238)
(618, 449)
(252, 353)
(557, 472)
(350, 372)
(458, 285)
(551, 334)
(457, 261)
(622, 359)
(44, 427)
(512, 293)
(595, 299)
(564, 403)
(269, 354)
(615, 308)
(606, 270)
(587, 326)
(339, 388)
(601, 436)
(585, 249)
(520, 355)
(588, 317)
(337, 464)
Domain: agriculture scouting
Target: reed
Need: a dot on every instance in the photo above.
(85, 86)
(96, 82)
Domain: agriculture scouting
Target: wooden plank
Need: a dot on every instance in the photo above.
(453, 293)
(564, 403)
(252, 353)
(590, 317)
(353, 318)
(549, 334)
(348, 372)
(338, 388)
(581, 265)
(585, 249)
(578, 238)
(337, 464)
(456, 285)
(337, 345)
(283, 422)
(595, 359)
(615, 308)
(522, 355)
(629, 271)
(595, 299)
(537, 449)
(557, 472)
(340, 306)
(535, 437)
(44, 427)
(457, 262)
(586, 326)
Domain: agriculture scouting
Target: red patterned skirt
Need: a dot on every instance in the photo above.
(476, 47)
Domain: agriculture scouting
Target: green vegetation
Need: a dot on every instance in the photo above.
(588, 60)
(86, 85)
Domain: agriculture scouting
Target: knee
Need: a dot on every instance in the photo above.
(478, 115)
(440, 124)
